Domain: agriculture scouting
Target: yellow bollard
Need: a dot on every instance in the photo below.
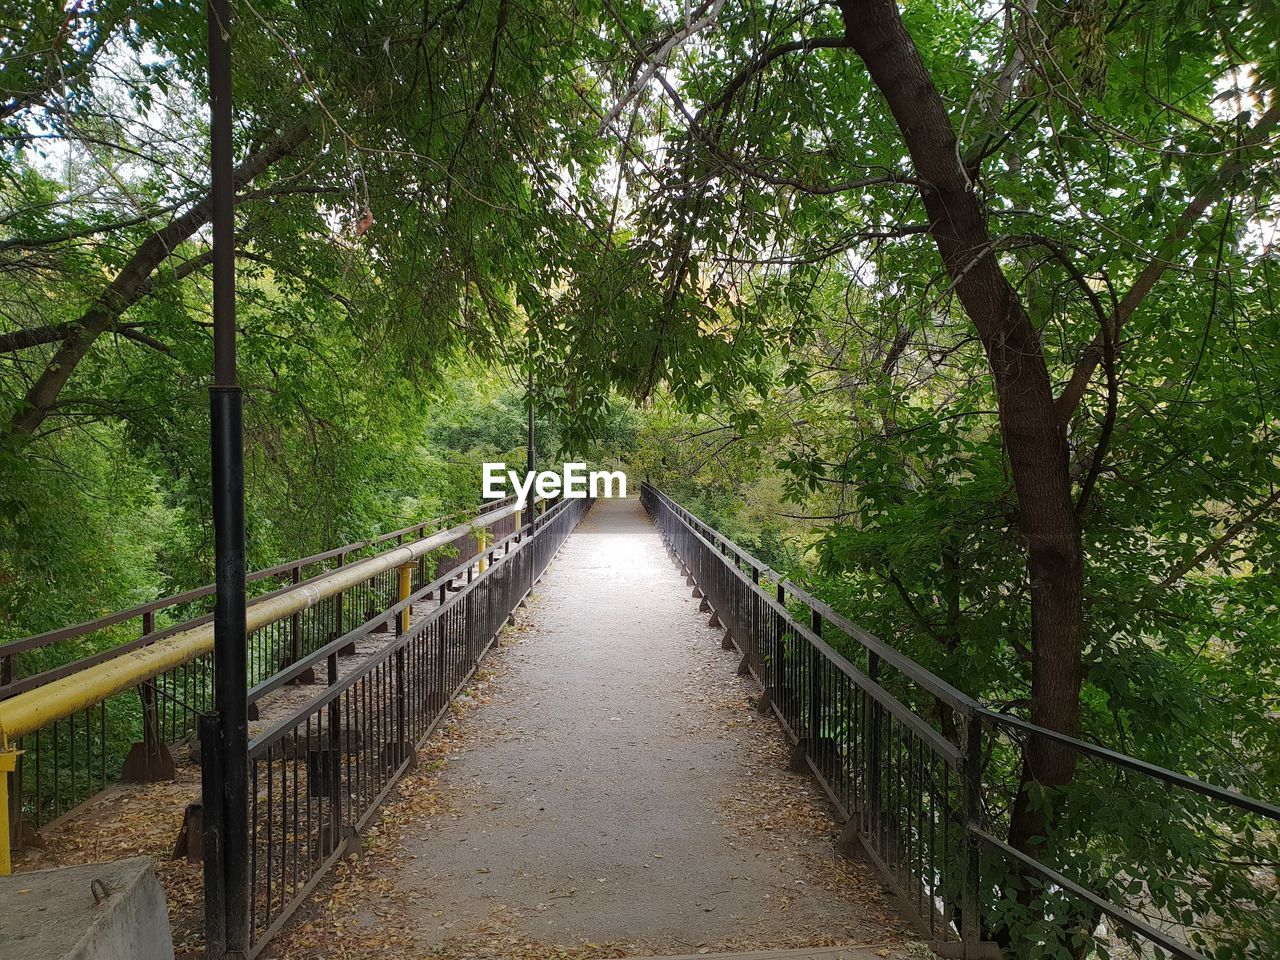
(517, 526)
(8, 764)
(406, 587)
(482, 541)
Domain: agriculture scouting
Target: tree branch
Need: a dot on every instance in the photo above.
(1164, 257)
(759, 64)
(133, 281)
(1215, 548)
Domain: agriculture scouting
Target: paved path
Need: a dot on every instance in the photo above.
(617, 789)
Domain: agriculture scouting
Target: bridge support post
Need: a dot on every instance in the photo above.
(295, 628)
(765, 702)
(212, 830)
(340, 615)
(798, 762)
(149, 760)
(307, 676)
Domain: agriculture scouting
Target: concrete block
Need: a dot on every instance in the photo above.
(99, 911)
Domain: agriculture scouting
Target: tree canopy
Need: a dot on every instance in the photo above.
(964, 313)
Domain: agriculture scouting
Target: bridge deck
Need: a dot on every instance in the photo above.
(611, 793)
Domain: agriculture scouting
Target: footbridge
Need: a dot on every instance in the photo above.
(594, 730)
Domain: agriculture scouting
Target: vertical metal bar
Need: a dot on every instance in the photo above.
(401, 693)
(971, 785)
(295, 624)
(253, 847)
(873, 757)
(334, 759)
(312, 740)
(227, 454)
(782, 694)
(341, 613)
(102, 745)
(815, 685)
(932, 874)
(13, 794)
(212, 822)
(293, 813)
(531, 456)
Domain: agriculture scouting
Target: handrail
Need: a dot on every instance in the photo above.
(332, 689)
(936, 685)
(837, 660)
(49, 637)
(352, 741)
(1172, 777)
(32, 709)
(895, 658)
(298, 667)
(1103, 906)
(844, 739)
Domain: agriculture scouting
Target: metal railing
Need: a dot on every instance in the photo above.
(318, 775)
(926, 799)
(125, 736)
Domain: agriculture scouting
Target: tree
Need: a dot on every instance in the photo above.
(396, 182)
(1062, 162)
(343, 116)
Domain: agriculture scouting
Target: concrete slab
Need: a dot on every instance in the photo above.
(98, 911)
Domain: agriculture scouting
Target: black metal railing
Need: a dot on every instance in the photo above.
(319, 774)
(927, 799)
(125, 736)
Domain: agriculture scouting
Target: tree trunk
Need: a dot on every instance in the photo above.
(1034, 437)
(131, 283)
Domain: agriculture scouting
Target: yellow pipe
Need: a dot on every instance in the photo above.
(33, 709)
(8, 764)
(482, 541)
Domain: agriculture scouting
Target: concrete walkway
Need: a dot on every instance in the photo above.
(617, 788)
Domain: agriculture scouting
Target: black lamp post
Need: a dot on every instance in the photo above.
(224, 733)
(531, 457)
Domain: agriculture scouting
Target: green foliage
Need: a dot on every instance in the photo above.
(882, 424)
(746, 257)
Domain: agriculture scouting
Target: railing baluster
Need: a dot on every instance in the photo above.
(815, 689)
(971, 786)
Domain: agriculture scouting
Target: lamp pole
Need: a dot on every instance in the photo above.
(531, 457)
(225, 732)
